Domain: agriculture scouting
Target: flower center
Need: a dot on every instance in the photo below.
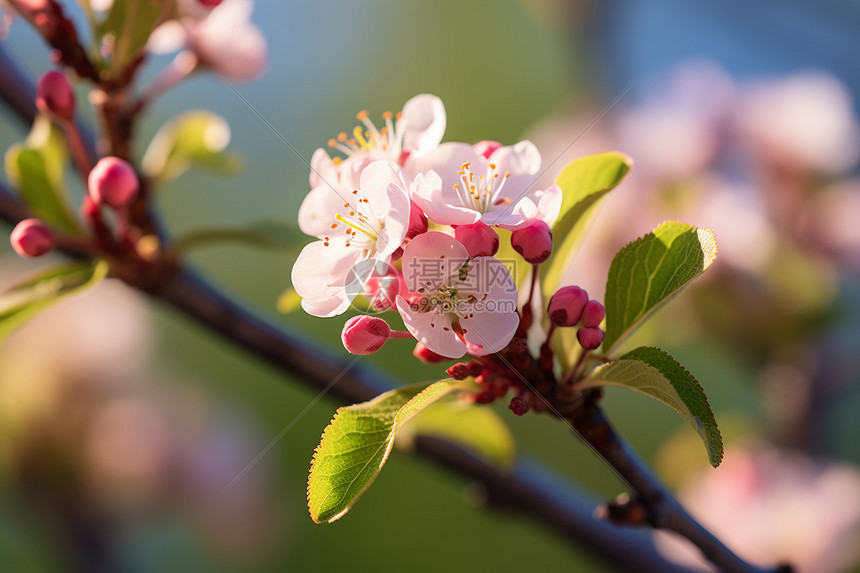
(382, 143)
(360, 225)
(480, 192)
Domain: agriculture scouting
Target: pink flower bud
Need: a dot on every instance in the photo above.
(518, 406)
(113, 182)
(364, 334)
(55, 96)
(566, 305)
(534, 242)
(589, 337)
(417, 221)
(210, 3)
(479, 239)
(593, 314)
(486, 148)
(32, 238)
(426, 355)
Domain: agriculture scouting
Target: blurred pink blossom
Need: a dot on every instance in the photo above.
(775, 506)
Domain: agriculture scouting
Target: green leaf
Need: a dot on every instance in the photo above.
(645, 274)
(584, 182)
(655, 373)
(128, 25)
(476, 428)
(356, 444)
(36, 168)
(26, 299)
(194, 138)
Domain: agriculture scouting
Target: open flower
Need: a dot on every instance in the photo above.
(458, 300)
(222, 38)
(407, 135)
(495, 190)
(364, 229)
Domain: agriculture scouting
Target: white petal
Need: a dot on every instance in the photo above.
(423, 123)
(446, 161)
(432, 329)
(318, 210)
(323, 168)
(441, 205)
(319, 277)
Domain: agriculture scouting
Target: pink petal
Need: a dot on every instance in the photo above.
(446, 161)
(491, 331)
(319, 277)
(439, 204)
(432, 329)
(429, 260)
(318, 209)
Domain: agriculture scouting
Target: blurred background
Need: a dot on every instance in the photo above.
(121, 425)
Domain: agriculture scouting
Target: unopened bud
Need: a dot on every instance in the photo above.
(113, 182)
(589, 337)
(426, 355)
(479, 239)
(55, 96)
(566, 305)
(210, 3)
(518, 406)
(593, 314)
(32, 238)
(486, 148)
(474, 369)
(417, 221)
(458, 371)
(364, 334)
(534, 242)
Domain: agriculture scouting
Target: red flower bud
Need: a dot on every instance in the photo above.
(426, 355)
(518, 406)
(566, 305)
(479, 239)
(55, 96)
(593, 314)
(486, 148)
(458, 371)
(534, 242)
(364, 334)
(113, 182)
(32, 238)
(210, 3)
(589, 337)
(417, 221)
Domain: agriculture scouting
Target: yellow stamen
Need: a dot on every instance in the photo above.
(365, 232)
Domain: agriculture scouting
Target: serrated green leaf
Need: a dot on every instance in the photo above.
(356, 444)
(584, 182)
(476, 428)
(194, 138)
(28, 298)
(128, 25)
(645, 274)
(36, 168)
(653, 372)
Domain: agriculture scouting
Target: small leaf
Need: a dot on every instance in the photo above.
(584, 182)
(476, 428)
(565, 347)
(194, 138)
(356, 444)
(128, 25)
(655, 373)
(645, 274)
(36, 168)
(26, 299)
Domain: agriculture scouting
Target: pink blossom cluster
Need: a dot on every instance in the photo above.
(410, 223)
